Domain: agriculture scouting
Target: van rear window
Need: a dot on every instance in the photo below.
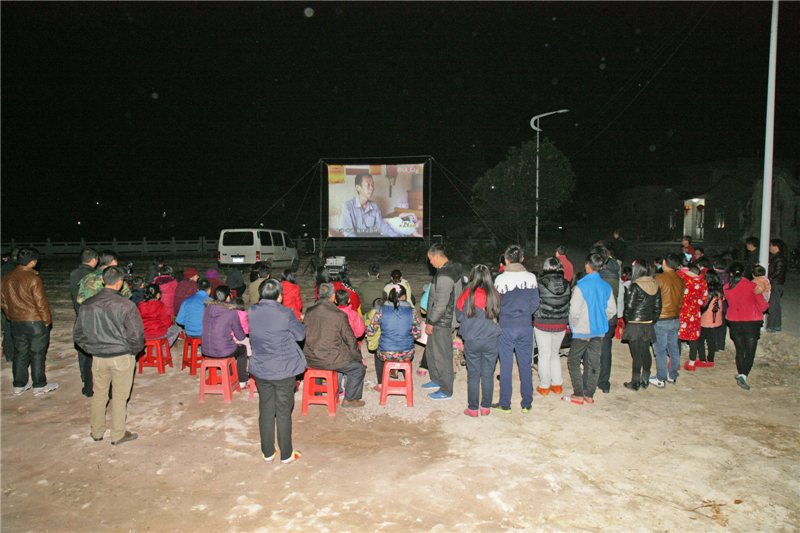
(237, 238)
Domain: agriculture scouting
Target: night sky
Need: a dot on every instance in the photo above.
(178, 119)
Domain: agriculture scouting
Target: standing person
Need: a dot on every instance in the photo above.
(441, 322)
(721, 268)
(695, 296)
(92, 283)
(88, 264)
(751, 243)
(291, 293)
(155, 317)
(9, 264)
(711, 320)
(276, 360)
(477, 310)
(777, 279)
(561, 255)
(745, 316)
(667, 346)
(186, 287)
(642, 309)
(686, 246)
(221, 325)
(397, 325)
(550, 324)
(109, 327)
(23, 301)
(168, 285)
(591, 307)
(611, 274)
(235, 281)
(331, 344)
(372, 288)
(519, 295)
(619, 247)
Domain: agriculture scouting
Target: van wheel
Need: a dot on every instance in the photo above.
(295, 264)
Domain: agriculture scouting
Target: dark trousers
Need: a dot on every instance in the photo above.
(517, 341)
(31, 340)
(603, 378)
(693, 348)
(423, 363)
(379, 364)
(275, 404)
(355, 373)
(481, 356)
(8, 340)
(745, 337)
(241, 362)
(774, 314)
(85, 366)
(584, 352)
(708, 336)
(440, 358)
(642, 360)
(722, 335)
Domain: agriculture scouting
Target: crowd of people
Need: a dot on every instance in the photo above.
(508, 316)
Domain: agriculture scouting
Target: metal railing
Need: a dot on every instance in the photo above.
(172, 246)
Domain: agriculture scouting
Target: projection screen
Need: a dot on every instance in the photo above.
(375, 200)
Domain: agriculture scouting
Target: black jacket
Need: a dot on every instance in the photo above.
(109, 325)
(643, 301)
(554, 296)
(777, 269)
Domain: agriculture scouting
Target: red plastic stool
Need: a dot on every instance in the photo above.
(330, 388)
(191, 355)
(223, 381)
(403, 388)
(156, 354)
(252, 386)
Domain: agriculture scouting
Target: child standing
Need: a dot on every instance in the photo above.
(763, 286)
(477, 310)
(694, 298)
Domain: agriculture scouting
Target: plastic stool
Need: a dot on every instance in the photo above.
(191, 354)
(403, 388)
(252, 386)
(156, 354)
(224, 381)
(330, 388)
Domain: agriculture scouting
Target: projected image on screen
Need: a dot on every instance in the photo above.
(375, 200)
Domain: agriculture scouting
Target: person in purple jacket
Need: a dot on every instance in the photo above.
(220, 325)
(519, 293)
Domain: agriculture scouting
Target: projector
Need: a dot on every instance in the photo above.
(336, 265)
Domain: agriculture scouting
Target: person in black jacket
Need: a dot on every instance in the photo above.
(88, 264)
(550, 324)
(777, 278)
(110, 328)
(642, 309)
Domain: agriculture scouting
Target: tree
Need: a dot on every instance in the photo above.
(506, 194)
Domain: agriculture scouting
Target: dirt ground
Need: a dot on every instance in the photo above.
(701, 455)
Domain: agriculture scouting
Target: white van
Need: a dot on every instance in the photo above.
(248, 246)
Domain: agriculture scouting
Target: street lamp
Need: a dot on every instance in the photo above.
(535, 125)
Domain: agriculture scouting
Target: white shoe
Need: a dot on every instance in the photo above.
(656, 382)
(38, 391)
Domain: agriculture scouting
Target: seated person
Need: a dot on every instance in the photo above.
(157, 320)
(137, 292)
(251, 294)
(291, 293)
(361, 216)
(235, 281)
(190, 315)
(397, 326)
(331, 344)
(186, 287)
(397, 279)
(220, 320)
(213, 276)
(371, 288)
(167, 284)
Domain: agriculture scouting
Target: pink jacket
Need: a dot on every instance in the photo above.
(243, 321)
(709, 319)
(356, 322)
(743, 304)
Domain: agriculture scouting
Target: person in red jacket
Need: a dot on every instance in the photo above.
(186, 287)
(167, 284)
(157, 320)
(745, 316)
(291, 293)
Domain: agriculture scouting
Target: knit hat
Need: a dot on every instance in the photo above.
(211, 273)
(190, 272)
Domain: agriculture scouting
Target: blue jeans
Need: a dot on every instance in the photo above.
(481, 356)
(667, 345)
(520, 341)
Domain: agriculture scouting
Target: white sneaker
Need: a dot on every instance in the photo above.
(20, 390)
(656, 382)
(38, 391)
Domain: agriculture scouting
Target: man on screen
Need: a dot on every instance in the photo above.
(362, 217)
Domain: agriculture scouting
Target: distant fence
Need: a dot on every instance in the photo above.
(172, 246)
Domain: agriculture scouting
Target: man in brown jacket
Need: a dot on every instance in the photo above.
(23, 301)
(667, 344)
(331, 344)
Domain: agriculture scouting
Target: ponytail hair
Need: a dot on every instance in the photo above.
(736, 270)
(395, 293)
(480, 277)
(151, 292)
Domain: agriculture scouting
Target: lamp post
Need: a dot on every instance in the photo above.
(535, 125)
